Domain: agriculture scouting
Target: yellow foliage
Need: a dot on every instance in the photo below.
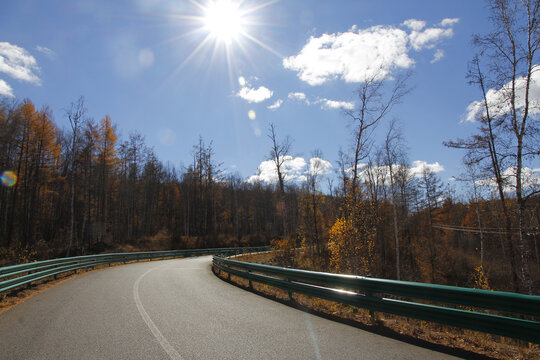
(480, 278)
(349, 250)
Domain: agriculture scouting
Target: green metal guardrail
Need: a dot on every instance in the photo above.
(14, 276)
(361, 292)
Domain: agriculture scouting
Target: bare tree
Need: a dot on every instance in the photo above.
(392, 147)
(277, 153)
(504, 70)
(76, 116)
(375, 102)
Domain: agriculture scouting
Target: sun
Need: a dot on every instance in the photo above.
(223, 19)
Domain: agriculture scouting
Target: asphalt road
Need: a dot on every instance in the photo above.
(178, 309)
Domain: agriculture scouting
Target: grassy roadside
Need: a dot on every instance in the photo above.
(456, 341)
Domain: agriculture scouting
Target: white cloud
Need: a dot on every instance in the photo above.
(318, 166)
(530, 179)
(251, 95)
(439, 54)
(275, 105)
(46, 51)
(358, 54)
(294, 169)
(297, 96)
(18, 63)
(381, 174)
(414, 24)
(449, 21)
(5, 89)
(334, 104)
(419, 166)
(428, 38)
(499, 100)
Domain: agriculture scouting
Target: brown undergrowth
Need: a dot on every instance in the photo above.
(457, 341)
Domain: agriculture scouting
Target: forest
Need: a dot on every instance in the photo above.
(82, 190)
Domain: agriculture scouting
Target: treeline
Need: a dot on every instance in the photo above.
(82, 188)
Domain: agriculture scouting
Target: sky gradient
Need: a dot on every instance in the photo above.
(156, 67)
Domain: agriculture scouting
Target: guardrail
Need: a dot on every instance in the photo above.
(14, 276)
(368, 293)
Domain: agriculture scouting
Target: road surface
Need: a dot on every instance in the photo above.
(178, 309)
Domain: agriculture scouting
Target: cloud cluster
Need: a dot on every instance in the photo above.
(18, 64)
(418, 167)
(499, 99)
(252, 95)
(297, 96)
(382, 173)
(358, 54)
(294, 169)
(530, 179)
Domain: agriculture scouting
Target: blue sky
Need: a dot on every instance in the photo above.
(137, 62)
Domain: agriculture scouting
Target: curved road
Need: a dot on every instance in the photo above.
(178, 309)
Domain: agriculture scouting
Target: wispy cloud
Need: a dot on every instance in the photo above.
(449, 21)
(358, 54)
(167, 137)
(5, 89)
(252, 95)
(414, 24)
(18, 63)
(428, 38)
(335, 104)
(298, 96)
(46, 51)
(275, 105)
(439, 54)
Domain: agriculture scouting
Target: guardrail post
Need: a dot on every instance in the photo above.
(289, 291)
(371, 312)
(250, 283)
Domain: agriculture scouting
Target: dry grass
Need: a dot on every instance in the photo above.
(471, 344)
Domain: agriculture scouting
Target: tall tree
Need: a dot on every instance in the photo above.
(393, 149)
(76, 115)
(505, 69)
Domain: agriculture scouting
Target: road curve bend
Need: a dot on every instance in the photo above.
(178, 309)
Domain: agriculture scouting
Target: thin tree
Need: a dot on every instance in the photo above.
(375, 101)
(278, 153)
(76, 116)
(392, 144)
(504, 70)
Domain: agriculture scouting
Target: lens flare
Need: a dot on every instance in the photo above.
(9, 178)
(242, 81)
(252, 115)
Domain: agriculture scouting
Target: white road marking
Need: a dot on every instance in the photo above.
(169, 349)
